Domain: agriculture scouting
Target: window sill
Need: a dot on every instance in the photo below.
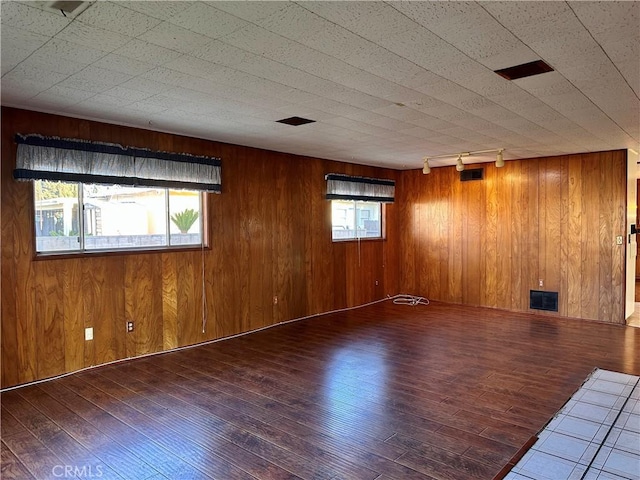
(122, 252)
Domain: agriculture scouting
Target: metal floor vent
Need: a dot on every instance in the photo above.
(472, 174)
(539, 300)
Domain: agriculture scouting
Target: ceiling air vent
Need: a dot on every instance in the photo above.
(525, 70)
(472, 174)
(295, 121)
(67, 8)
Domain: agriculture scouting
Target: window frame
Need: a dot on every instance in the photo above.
(383, 216)
(83, 252)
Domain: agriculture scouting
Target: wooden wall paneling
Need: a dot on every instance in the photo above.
(518, 228)
(456, 240)
(262, 253)
(573, 240)
(236, 244)
(143, 303)
(390, 252)
(162, 290)
(104, 309)
(23, 250)
(49, 319)
(531, 268)
(189, 294)
(405, 205)
(607, 233)
(8, 268)
(320, 291)
(505, 234)
(169, 301)
(590, 238)
(72, 291)
(474, 202)
(253, 217)
(618, 208)
(491, 248)
(284, 248)
(550, 230)
(444, 220)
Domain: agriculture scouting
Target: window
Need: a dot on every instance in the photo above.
(353, 219)
(356, 205)
(114, 217)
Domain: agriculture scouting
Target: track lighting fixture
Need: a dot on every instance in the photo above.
(426, 169)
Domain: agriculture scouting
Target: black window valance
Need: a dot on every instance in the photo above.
(346, 187)
(71, 160)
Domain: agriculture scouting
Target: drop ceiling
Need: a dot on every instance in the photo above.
(387, 83)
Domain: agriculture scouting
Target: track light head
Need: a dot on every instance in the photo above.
(499, 159)
(459, 164)
(426, 169)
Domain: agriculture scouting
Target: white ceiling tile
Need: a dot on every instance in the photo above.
(17, 38)
(146, 85)
(206, 20)
(346, 65)
(160, 9)
(115, 17)
(249, 11)
(30, 85)
(94, 79)
(611, 20)
(147, 107)
(294, 22)
(71, 51)
(147, 52)
(122, 64)
(83, 34)
(174, 38)
(524, 13)
(22, 15)
(54, 63)
(128, 94)
(222, 53)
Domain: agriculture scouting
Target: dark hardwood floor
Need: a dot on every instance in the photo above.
(381, 392)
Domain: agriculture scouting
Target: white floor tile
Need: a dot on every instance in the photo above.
(615, 377)
(594, 474)
(516, 476)
(628, 441)
(601, 398)
(623, 463)
(547, 467)
(632, 423)
(567, 446)
(577, 427)
(594, 413)
(563, 446)
(609, 387)
(632, 406)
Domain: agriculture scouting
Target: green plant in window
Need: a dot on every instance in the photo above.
(185, 219)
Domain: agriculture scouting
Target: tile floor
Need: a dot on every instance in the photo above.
(595, 436)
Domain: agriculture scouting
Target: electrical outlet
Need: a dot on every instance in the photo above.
(377, 283)
(541, 283)
(619, 240)
(88, 333)
(129, 326)
(275, 299)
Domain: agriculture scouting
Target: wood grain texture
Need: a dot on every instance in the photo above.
(552, 219)
(385, 391)
(269, 235)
